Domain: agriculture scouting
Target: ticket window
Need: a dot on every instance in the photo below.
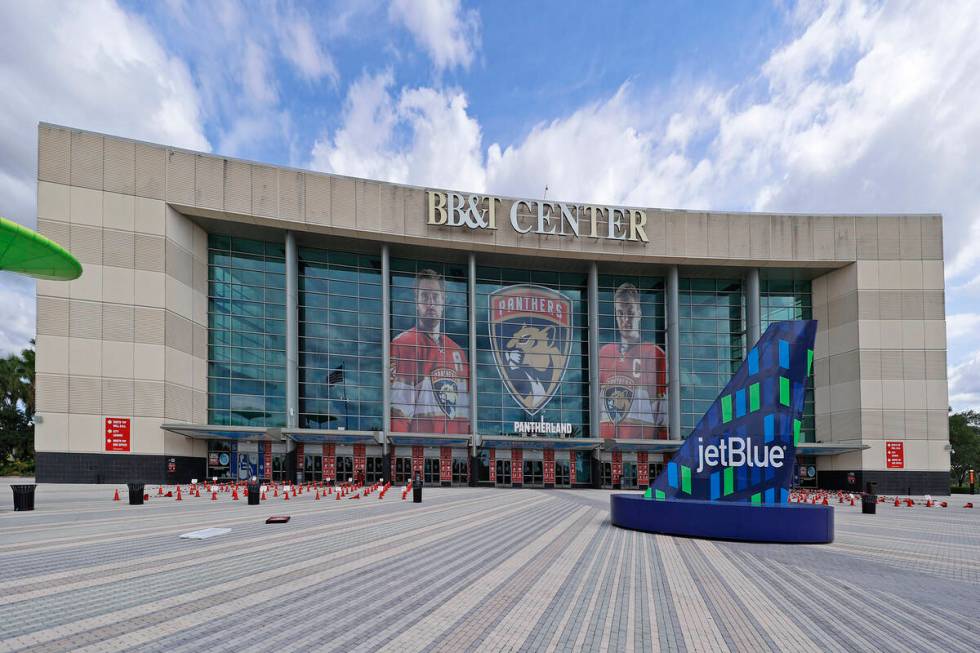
(461, 471)
(533, 473)
(431, 471)
(312, 467)
(503, 473)
(563, 476)
(628, 481)
(606, 469)
(374, 469)
(345, 468)
(403, 470)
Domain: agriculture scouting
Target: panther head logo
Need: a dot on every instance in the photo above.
(530, 328)
(618, 398)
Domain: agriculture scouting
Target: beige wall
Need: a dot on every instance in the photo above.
(880, 362)
(130, 336)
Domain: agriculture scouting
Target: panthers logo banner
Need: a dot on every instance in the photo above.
(530, 333)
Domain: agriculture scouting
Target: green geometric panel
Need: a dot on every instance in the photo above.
(784, 391)
(753, 397)
(796, 431)
(726, 409)
(729, 480)
(686, 479)
(757, 498)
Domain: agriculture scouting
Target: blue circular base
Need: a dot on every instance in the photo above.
(785, 523)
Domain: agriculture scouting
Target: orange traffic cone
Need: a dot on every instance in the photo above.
(159, 490)
(852, 500)
(337, 496)
(214, 495)
(943, 504)
(897, 502)
(197, 493)
(115, 497)
(825, 502)
(234, 494)
(968, 505)
(178, 494)
(317, 497)
(285, 496)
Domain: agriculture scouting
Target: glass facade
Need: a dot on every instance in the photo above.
(712, 338)
(340, 335)
(247, 332)
(430, 340)
(531, 348)
(789, 299)
(632, 357)
(532, 352)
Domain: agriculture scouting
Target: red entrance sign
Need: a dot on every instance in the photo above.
(895, 455)
(117, 434)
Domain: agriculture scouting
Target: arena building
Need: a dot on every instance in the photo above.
(237, 319)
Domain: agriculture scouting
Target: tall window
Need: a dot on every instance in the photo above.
(430, 367)
(712, 340)
(340, 373)
(632, 357)
(247, 332)
(532, 352)
(784, 298)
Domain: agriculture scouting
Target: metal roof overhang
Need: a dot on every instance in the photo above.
(651, 446)
(332, 436)
(219, 432)
(428, 440)
(827, 448)
(505, 442)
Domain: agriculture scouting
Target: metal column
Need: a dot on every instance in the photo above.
(595, 391)
(385, 341)
(753, 323)
(471, 276)
(292, 332)
(673, 353)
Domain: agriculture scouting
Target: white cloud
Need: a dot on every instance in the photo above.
(450, 35)
(301, 47)
(442, 146)
(89, 65)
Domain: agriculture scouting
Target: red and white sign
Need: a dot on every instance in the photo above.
(117, 434)
(895, 455)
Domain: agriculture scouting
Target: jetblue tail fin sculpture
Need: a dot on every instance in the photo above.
(742, 451)
(744, 447)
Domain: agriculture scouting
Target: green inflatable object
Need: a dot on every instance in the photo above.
(30, 253)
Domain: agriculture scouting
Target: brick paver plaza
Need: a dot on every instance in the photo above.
(535, 570)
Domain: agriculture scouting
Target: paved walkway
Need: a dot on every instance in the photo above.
(495, 570)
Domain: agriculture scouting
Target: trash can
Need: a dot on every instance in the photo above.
(417, 489)
(23, 496)
(869, 500)
(254, 493)
(135, 493)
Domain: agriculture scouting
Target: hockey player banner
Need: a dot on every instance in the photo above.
(632, 361)
(530, 335)
(430, 372)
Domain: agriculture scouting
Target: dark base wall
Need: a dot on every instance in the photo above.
(889, 482)
(58, 467)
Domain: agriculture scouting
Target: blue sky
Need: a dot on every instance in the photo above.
(737, 105)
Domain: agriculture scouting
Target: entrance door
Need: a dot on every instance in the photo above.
(503, 473)
(655, 469)
(431, 471)
(278, 467)
(403, 470)
(533, 473)
(374, 469)
(345, 468)
(312, 467)
(606, 474)
(628, 482)
(562, 474)
(461, 471)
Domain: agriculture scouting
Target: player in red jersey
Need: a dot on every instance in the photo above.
(632, 376)
(430, 375)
